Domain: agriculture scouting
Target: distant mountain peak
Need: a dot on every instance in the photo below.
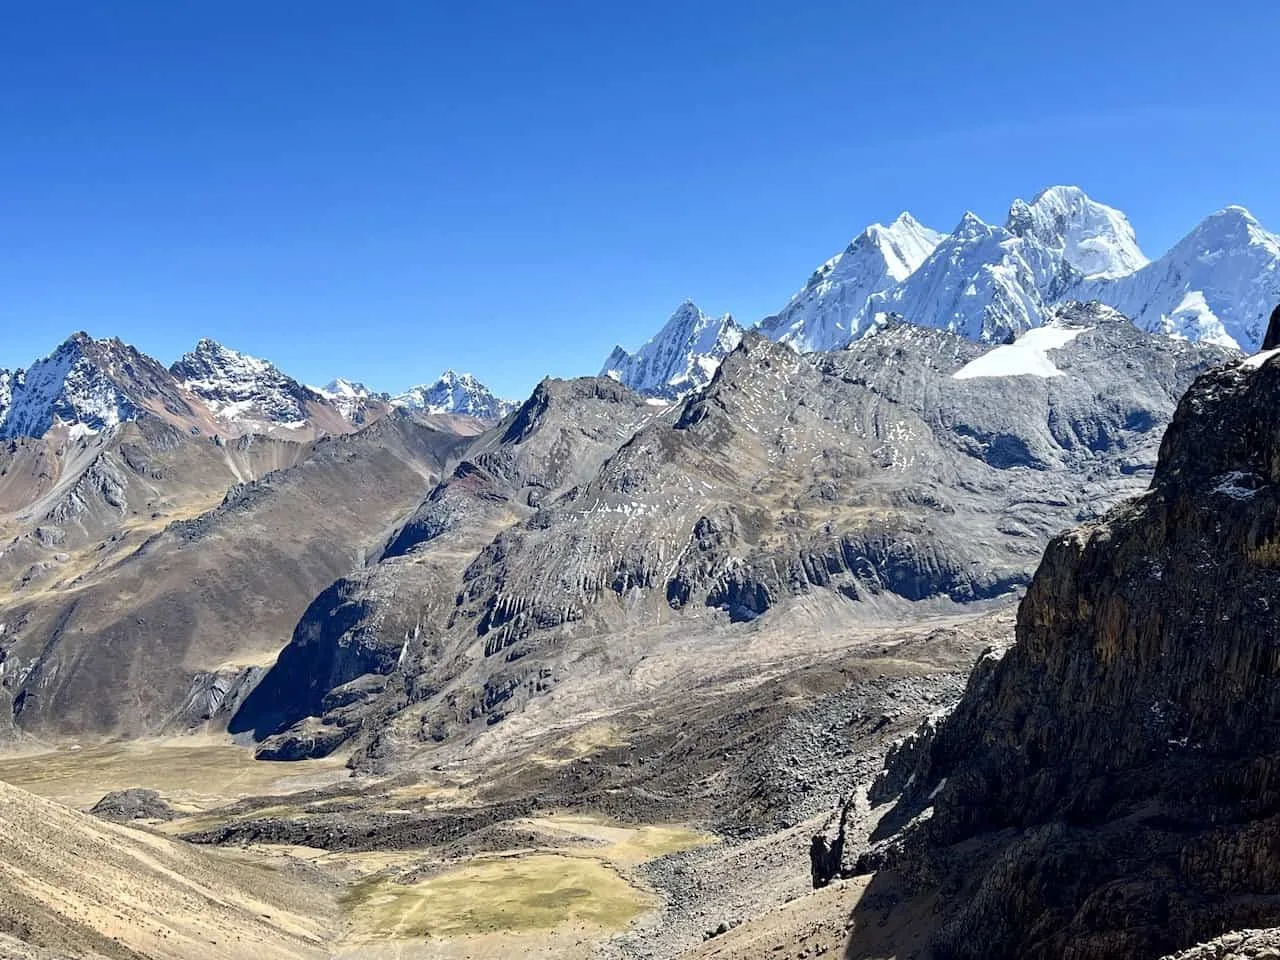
(1232, 224)
(830, 310)
(341, 387)
(455, 393)
(243, 389)
(681, 357)
(86, 386)
(972, 226)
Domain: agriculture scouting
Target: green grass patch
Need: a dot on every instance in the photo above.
(506, 895)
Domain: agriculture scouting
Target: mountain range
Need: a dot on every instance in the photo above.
(716, 587)
(87, 386)
(991, 282)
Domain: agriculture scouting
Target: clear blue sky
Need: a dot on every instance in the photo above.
(381, 190)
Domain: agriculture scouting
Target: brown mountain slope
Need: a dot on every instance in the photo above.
(70, 506)
(73, 885)
(359, 630)
(165, 631)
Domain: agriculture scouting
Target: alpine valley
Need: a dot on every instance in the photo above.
(932, 616)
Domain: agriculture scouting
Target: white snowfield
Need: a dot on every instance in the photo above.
(1028, 356)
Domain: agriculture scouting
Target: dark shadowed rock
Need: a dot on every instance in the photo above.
(1272, 338)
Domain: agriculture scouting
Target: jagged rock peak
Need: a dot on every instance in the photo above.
(240, 388)
(86, 386)
(680, 358)
(552, 391)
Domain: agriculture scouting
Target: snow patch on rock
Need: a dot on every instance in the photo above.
(1028, 356)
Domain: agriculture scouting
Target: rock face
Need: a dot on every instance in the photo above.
(1111, 787)
(1272, 338)
(376, 639)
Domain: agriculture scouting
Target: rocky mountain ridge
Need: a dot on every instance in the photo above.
(897, 477)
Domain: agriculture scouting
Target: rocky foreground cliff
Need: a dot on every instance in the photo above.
(1110, 788)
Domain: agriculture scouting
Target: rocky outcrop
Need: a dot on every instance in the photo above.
(121, 806)
(1111, 787)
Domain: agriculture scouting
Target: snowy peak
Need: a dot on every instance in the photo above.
(1096, 240)
(1232, 229)
(1218, 284)
(903, 245)
(87, 386)
(981, 281)
(830, 311)
(357, 403)
(972, 227)
(340, 387)
(241, 389)
(681, 358)
(455, 393)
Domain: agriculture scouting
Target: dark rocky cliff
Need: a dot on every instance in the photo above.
(1111, 787)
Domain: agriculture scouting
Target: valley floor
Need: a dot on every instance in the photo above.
(653, 813)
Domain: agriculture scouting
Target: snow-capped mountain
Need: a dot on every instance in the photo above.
(829, 311)
(1219, 283)
(356, 402)
(681, 357)
(990, 283)
(1096, 240)
(240, 389)
(456, 393)
(981, 282)
(87, 386)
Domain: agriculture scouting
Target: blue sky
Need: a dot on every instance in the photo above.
(381, 190)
